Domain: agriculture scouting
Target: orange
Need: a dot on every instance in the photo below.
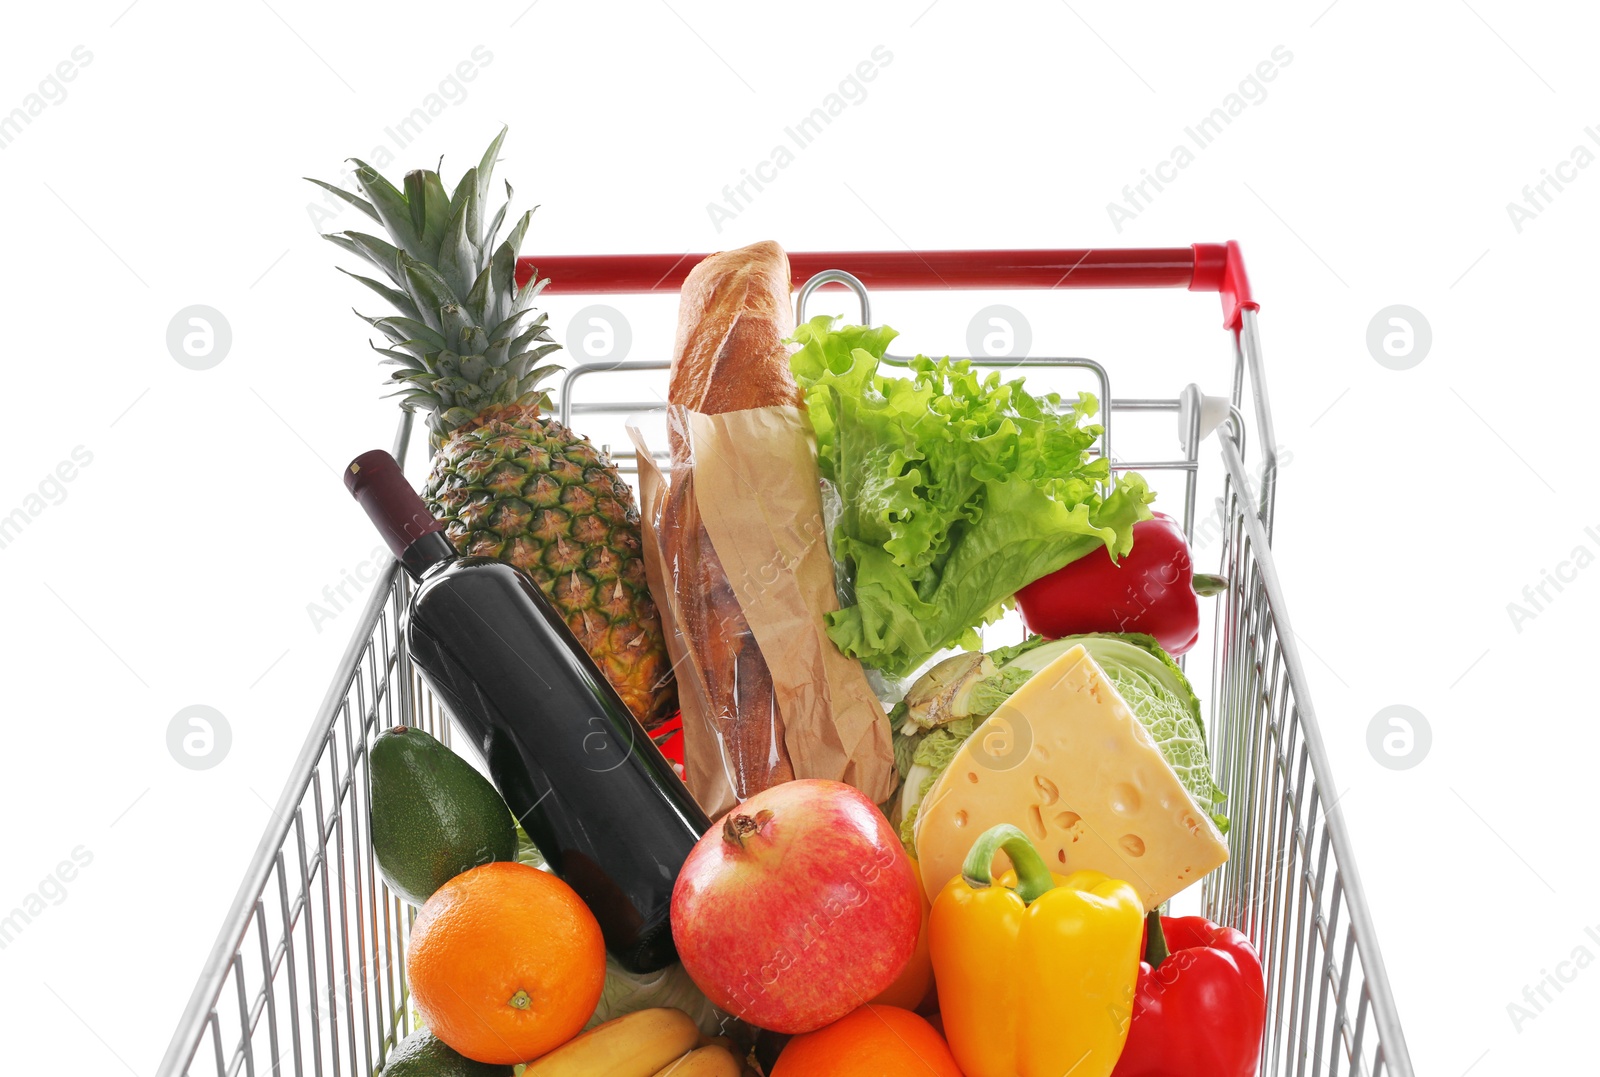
(914, 985)
(506, 963)
(872, 1041)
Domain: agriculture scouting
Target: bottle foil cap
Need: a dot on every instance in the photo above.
(375, 480)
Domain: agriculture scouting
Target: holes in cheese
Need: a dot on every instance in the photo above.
(1036, 829)
(1089, 787)
(1125, 799)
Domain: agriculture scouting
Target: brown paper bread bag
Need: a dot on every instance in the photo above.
(749, 479)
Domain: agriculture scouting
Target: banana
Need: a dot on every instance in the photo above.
(633, 1045)
(709, 1061)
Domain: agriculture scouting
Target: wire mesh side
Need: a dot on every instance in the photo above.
(1289, 883)
(309, 976)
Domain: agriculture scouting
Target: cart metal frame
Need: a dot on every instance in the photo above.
(308, 973)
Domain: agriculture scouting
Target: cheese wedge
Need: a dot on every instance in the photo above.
(1067, 761)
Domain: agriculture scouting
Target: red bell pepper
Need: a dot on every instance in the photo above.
(1198, 1011)
(1152, 590)
(669, 738)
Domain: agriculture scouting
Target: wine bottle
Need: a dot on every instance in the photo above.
(589, 786)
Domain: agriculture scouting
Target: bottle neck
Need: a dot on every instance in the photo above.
(426, 554)
(415, 538)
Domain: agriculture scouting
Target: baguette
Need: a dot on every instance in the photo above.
(729, 355)
(733, 318)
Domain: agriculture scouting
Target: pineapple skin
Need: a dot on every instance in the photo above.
(520, 487)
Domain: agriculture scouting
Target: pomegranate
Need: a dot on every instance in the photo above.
(797, 907)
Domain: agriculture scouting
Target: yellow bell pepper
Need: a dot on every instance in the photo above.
(1036, 974)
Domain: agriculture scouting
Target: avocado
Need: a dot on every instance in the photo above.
(433, 816)
(422, 1054)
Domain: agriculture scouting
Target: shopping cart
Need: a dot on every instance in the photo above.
(308, 974)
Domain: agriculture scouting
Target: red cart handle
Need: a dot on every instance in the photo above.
(1204, 267)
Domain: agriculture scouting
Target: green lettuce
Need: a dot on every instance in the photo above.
(956, 490)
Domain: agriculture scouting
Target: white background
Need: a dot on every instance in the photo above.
(178, 567)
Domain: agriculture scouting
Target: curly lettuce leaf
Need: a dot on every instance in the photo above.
(957, 489)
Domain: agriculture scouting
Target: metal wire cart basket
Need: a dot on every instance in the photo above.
(308, 974)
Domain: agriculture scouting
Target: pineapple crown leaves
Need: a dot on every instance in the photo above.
(463, 336)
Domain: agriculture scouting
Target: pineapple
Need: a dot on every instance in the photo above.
(509, 482)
